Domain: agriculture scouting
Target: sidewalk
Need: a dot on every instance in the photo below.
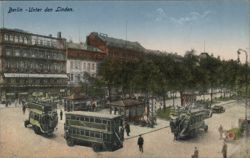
(12, 105)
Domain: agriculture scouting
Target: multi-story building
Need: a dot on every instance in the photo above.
(31, 63)
(82, 59)
(116, 48)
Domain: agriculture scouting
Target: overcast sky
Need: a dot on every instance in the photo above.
(172, 26)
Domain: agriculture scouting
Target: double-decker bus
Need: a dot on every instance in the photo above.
(42, 117)
(102, 131)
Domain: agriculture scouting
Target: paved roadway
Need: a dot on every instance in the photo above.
(19, 142)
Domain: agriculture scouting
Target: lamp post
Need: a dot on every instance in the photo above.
(246, 77)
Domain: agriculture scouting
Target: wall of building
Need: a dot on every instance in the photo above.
(77, 68)
(31, 63)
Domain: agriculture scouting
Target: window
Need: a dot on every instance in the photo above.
(93, 66)
(78, 131)
(82, 118)
(67, 117)
(84, 65)
(78, 77)
(25, 40)
(104, 121)
(6, 37)
(98, 120)
(106, 137)
(92, 134)
(17, 52)
(71, 77)
(73, 131)
(16, 39)
(78, 118)
(11, 38)
(8, 52)
(91, 119)
(86, 119)
(21, 40)
(97, 135)
(82, 132)
(21, 64)
(73, 117)
(88, 66)
(86, 132)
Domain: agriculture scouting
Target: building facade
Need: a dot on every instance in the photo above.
(31, 63)
(116, 48)
(82, 59)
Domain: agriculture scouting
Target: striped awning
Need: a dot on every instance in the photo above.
(23, 75)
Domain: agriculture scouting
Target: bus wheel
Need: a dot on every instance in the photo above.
(96, 147)
(70, 142)
(26, 122)
(206, 128)
(36, 129)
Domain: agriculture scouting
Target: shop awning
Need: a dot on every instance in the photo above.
(10, 93)
(23, 75)
(23, 93)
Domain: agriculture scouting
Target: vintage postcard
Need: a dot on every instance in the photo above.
(125, 79)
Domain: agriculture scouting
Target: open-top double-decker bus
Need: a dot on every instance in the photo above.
(42, 117)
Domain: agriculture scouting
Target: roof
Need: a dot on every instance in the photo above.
(126, 103)
(120, 43)
(24, 75)
(94, 114)
(28, 33)
(82, 46)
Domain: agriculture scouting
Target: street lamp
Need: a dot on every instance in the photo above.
(239, 51)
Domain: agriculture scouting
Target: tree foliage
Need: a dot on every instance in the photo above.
(157, 74)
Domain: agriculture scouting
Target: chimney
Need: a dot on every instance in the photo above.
(59, 35)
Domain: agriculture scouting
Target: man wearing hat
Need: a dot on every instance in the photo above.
(140, 143)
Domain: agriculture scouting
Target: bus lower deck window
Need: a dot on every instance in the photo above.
(82, 118)
(98, 120)
(82, 132)
(97, 135)
(87, 133)
(92, 134)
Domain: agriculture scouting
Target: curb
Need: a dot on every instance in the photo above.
(227, 102)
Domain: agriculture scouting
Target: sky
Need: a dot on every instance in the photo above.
(219, 27)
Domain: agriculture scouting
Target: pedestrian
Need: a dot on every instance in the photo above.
(127, 128)
(220, 129)
(196, 153)
(93, 107)
(224, 150)
(61, 114)
(24, 108)
(140, 143)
